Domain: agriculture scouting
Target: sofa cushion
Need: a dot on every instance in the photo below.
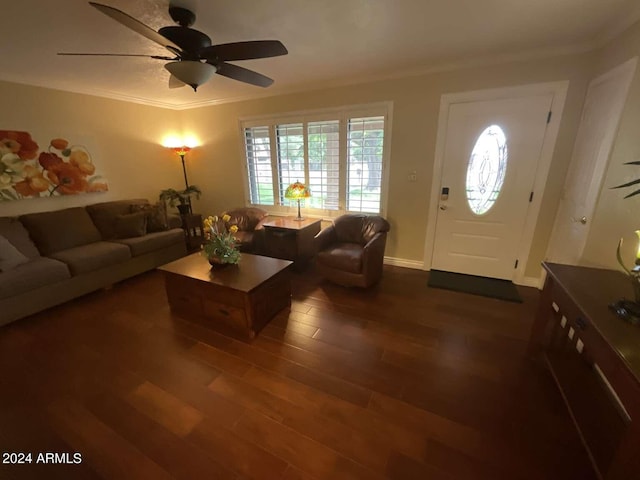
(10, 256)
(153, 241)
(156, 216)
(104, 215)
(60, 229)
(37, 272)
(342, 256)
(131, 225)
(14, 231)
(94, 256)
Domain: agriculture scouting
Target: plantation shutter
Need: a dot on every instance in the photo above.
(323, 143)
(291, 164)
(365, 147)
(260, 176)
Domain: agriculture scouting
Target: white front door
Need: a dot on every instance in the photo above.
(601, 113)
(491, 151)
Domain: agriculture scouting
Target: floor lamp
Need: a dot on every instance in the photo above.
(182, 151)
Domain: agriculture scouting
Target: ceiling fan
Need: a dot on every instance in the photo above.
(195, 59)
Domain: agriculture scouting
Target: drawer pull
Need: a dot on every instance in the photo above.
(224, 312)
(581, 323)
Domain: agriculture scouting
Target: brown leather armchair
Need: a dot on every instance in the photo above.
(351, 251)
(250, 230)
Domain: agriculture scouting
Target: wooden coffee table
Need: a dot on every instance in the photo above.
(238, 299)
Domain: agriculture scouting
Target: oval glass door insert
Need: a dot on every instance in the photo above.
(486, 170)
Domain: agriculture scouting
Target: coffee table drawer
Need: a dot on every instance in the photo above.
(223, 296)
(181, 296)
(228, 315)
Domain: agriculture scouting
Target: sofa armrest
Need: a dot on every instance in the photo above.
(373, 254)
(260, 224)
(325, 238)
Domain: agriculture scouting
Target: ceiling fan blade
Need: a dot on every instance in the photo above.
(243, 74)
(244, 50)
(136, 25)
(157, 57)
(175, 82)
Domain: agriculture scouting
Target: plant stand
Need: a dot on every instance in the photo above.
(193, 231)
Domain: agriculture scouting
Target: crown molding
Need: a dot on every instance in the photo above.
(617, 27)
(95, 93)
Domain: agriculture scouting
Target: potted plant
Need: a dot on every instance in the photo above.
(221, 245)
(180, 198)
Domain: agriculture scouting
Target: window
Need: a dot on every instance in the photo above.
(259, 165)
(486, 170)
(365, 148)
(339, 155)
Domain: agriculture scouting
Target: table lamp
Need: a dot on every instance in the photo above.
(297, 191)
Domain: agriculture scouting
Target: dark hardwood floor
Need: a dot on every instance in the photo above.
(400, 382)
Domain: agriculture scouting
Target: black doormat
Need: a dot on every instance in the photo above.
(487, 287)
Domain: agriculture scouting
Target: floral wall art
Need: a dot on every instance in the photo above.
(60, 168)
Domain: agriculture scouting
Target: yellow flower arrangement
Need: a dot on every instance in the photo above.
(220, 245)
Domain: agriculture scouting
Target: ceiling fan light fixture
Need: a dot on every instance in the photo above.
(191, 72)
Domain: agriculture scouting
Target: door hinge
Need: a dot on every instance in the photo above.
(516, 265)
(549, 117)
(531, 197)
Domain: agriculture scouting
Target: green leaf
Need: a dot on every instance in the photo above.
(634, 182)
(632, 194)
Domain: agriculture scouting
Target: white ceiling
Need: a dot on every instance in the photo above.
(330, 42)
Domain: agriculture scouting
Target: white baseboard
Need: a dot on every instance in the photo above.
(403, 262)
(534, 282)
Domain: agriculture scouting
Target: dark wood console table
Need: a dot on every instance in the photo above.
(291, 239)
(594, 358)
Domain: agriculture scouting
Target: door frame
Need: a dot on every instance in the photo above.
(559, 92)
(625, 71)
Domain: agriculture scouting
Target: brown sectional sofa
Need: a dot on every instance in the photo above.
(75, 251)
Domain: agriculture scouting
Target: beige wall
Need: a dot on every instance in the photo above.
(614, 216)
(416, 103)
(123, 138)
(125, 141)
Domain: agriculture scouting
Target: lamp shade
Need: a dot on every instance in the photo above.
(181, 150)
(296, 191)
(193, 73)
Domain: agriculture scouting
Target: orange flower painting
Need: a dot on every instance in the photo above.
(61, 169)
